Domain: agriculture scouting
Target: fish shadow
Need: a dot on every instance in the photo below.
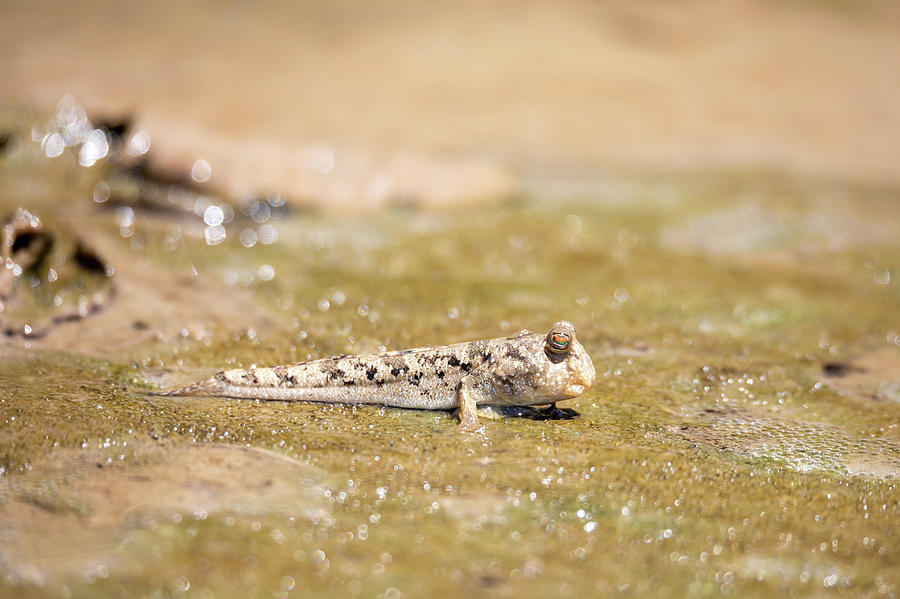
(529, 413)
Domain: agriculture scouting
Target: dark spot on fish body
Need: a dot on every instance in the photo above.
(335, 374)
(440, 374)
(453, 361)
(397, 367)
(466, 366)
(349, 382)
(513, 352)
(371, 372)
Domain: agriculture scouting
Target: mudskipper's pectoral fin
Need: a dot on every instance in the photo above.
(468, 410)
(491, 413)
(475, 388)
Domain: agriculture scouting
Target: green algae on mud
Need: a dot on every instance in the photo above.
(715, 453)
(589, 505)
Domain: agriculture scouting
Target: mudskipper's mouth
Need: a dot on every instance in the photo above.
(585, 380)
(574, 390)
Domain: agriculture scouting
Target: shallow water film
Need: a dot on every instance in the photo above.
(742, 437)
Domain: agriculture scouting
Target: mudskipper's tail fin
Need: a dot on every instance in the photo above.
(209, 386)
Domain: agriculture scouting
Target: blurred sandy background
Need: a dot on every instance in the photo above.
(357, 104)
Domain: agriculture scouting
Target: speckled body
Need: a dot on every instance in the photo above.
(514, 370)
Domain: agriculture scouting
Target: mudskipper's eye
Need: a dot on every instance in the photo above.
(559, 343)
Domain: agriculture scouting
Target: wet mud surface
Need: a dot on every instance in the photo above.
(89, 504)
(742, 438)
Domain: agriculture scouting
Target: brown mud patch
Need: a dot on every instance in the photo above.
(874, 375)
(77, 280)
(146, 303)
(333, 180)
(73, 511)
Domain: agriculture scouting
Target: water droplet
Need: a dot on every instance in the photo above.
(213, 216)
(139, 144)
(101, 192)
(266, 272)
(248, 238)
(214, 235)
(95, 147)
(125, 216)
(53, 145)
(260, 211)
(268, 235)
(201, 171)
(321, 160)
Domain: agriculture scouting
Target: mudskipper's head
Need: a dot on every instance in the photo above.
(570, 371)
